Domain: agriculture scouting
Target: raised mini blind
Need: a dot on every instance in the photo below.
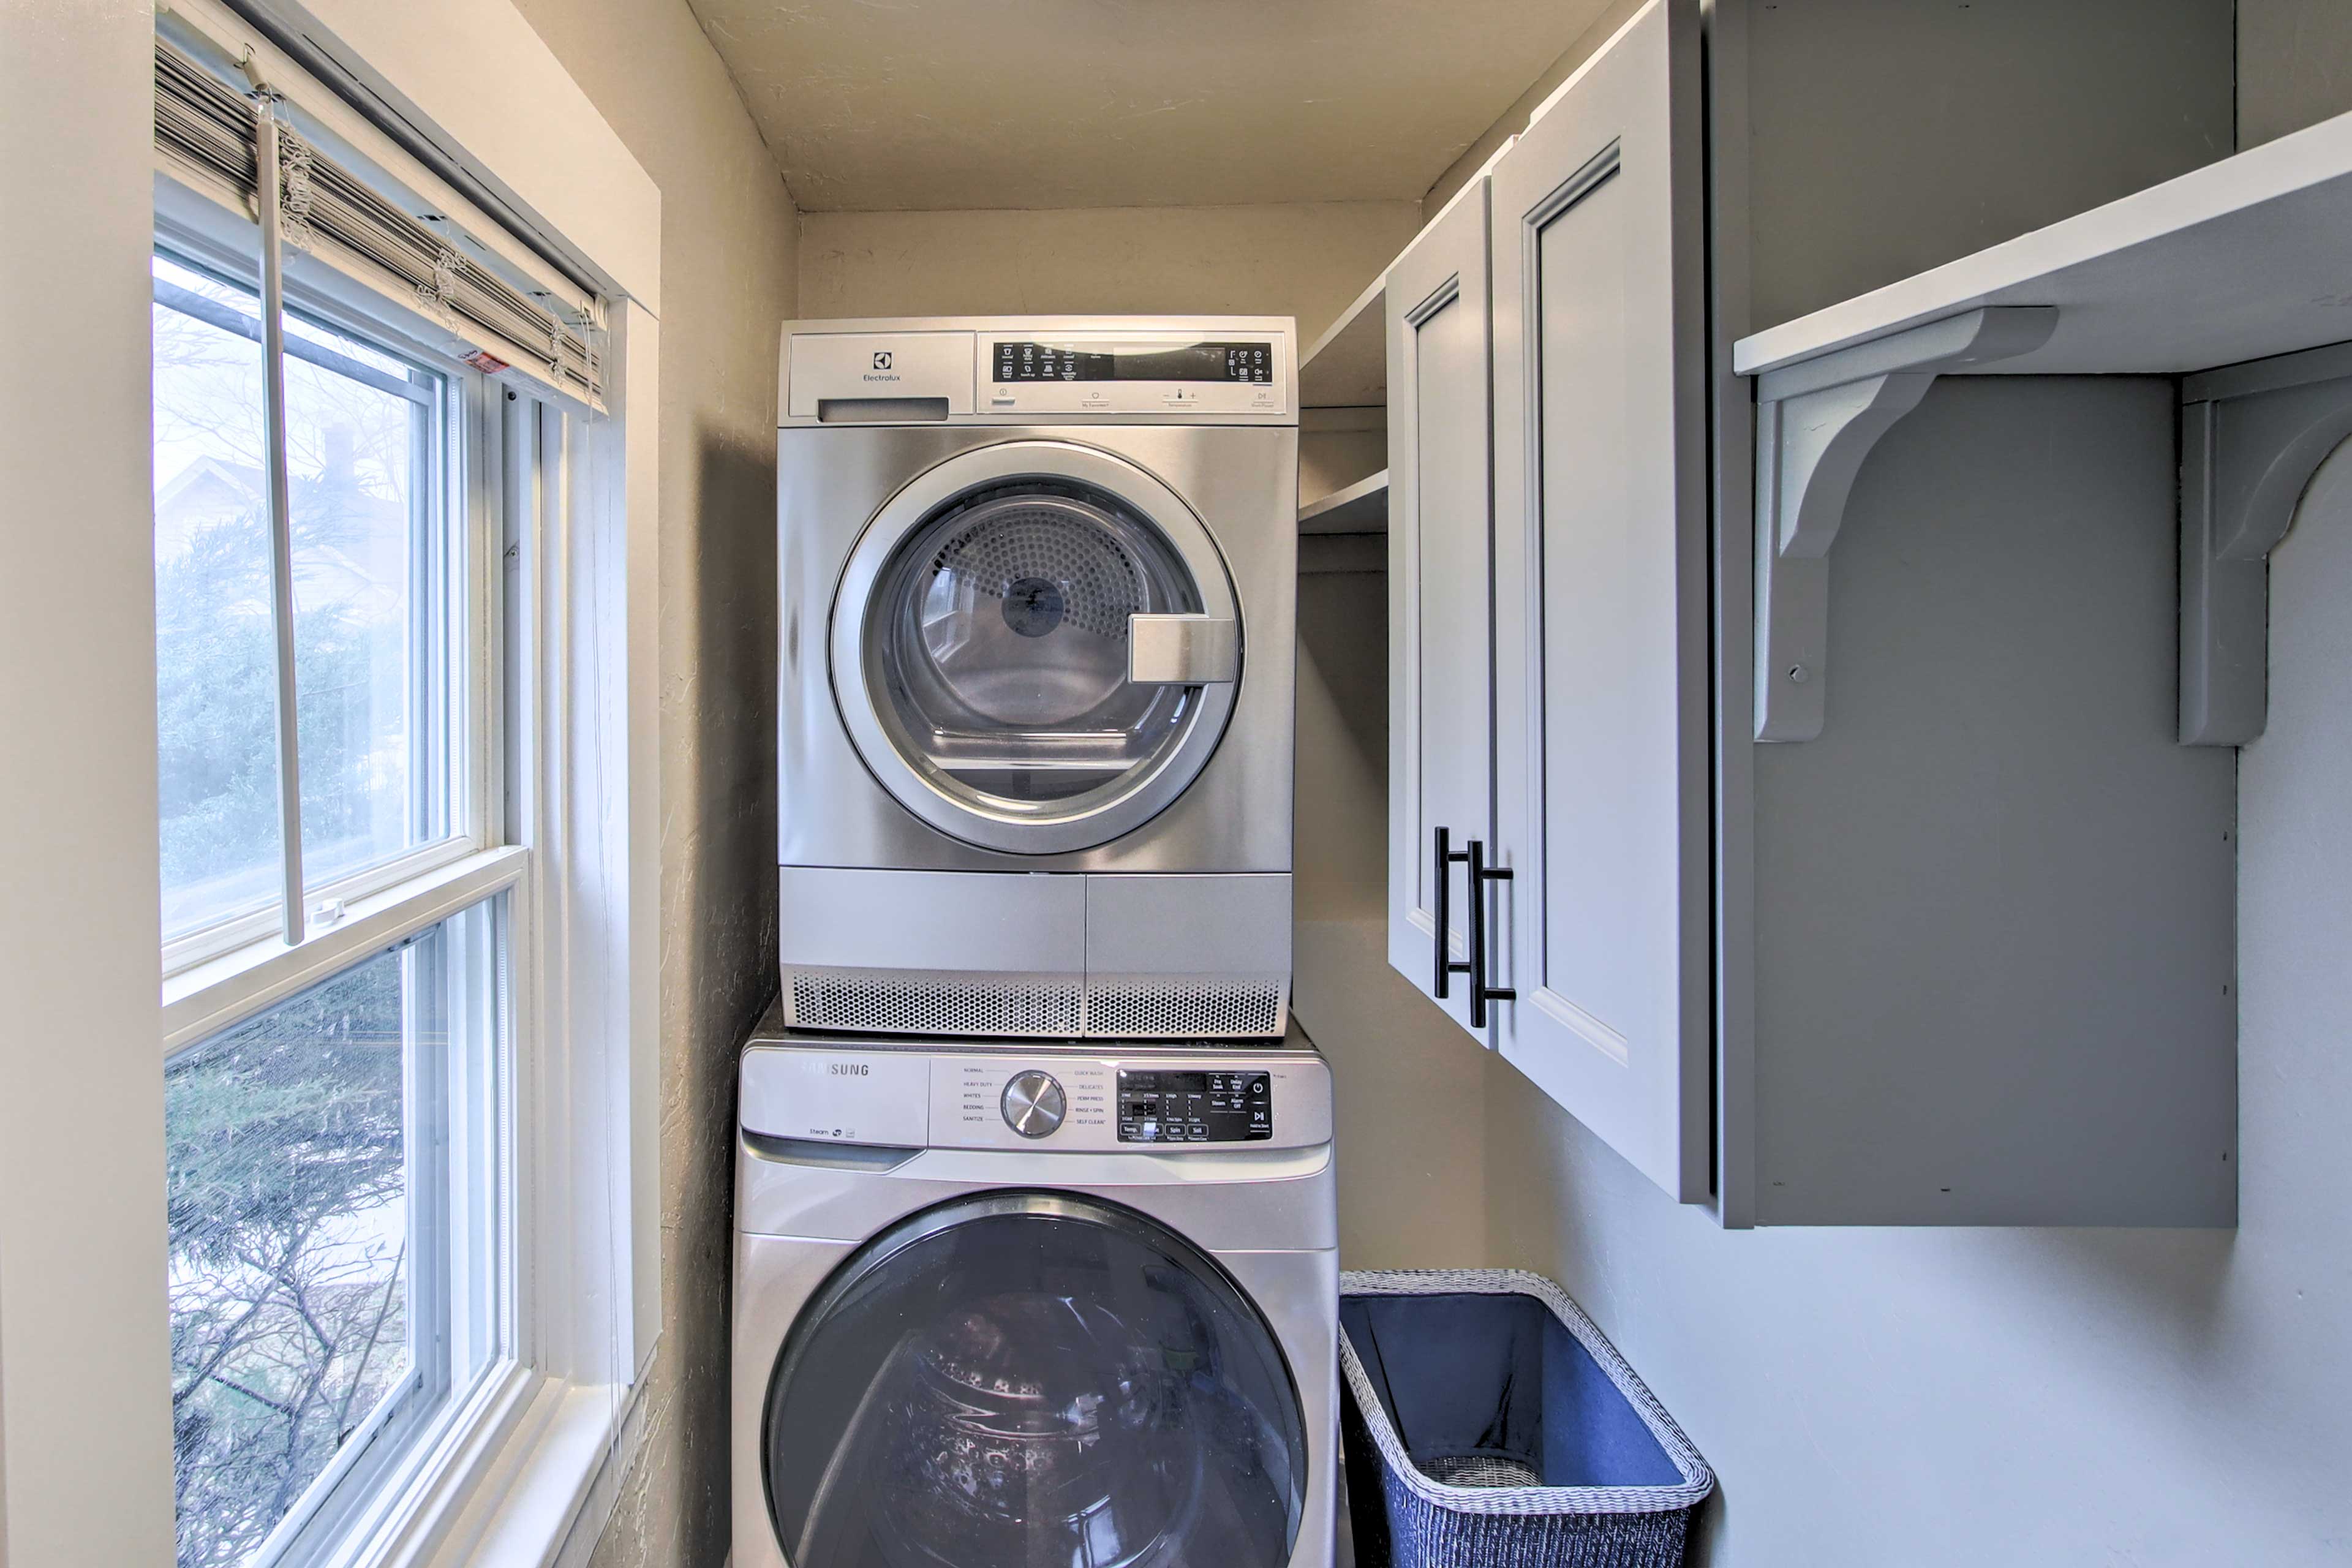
(206, 133)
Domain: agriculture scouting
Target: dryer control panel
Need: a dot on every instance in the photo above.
(1133, 373)
(1237, 370)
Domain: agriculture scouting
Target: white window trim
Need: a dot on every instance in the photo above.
(526, 1472)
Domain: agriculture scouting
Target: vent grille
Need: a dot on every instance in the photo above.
(904, 1004)
(1184, 1008)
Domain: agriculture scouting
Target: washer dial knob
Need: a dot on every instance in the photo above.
(1033, 1104)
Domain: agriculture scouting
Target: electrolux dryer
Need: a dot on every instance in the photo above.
(1001, 1306)
(1037, 598)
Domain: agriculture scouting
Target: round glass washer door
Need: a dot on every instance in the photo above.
(1022, 1378)
(1035, 647)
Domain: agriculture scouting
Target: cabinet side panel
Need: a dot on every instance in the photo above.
(1995, 900)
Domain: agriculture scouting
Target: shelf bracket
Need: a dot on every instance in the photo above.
(1815, 422)
(2252, 436)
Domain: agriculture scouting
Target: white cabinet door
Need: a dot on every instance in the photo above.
(1440, 596)
(1601, 571)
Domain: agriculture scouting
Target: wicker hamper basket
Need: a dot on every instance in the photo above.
(1487, 1424)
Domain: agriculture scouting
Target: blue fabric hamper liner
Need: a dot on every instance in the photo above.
(1490, 1425)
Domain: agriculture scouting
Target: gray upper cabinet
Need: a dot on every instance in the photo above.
(1440, 560)
(1955, 946)
(1600, 568)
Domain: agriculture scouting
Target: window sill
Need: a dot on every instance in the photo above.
(210, 997)
(527, 1480)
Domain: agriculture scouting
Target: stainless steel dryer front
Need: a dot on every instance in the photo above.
(1037, 584)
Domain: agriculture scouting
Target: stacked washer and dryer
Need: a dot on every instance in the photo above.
(1035, 1259)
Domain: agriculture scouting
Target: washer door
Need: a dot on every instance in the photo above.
(1019, 1379)
(1035, 647)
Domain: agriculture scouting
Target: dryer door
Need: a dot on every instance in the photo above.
(1016, 1379)
(1035, 647)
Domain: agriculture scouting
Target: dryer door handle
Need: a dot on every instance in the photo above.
(1183, 650)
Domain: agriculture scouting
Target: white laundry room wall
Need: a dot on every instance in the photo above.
(730, 271)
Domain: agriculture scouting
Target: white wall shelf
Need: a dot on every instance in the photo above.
(1348, 366)
(2232, 276)
(1360, 508)
(2240, 260)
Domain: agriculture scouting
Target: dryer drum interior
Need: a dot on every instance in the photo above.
(1023, 1378)
(997, 646)
(985, 651)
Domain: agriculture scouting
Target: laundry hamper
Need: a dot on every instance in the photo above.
(1487, 1424)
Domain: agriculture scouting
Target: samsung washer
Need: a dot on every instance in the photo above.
(1000, 1307)
(1037, 591)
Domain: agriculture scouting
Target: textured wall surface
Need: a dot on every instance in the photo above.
(2294, 65)
(1307, 261)
(1894, 135)
(729, 270)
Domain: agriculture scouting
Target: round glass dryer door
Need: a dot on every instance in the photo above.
(1019, 1379)
(1035, 647)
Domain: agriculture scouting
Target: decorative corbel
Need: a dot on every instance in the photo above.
(1816, 421)
(2252, 436)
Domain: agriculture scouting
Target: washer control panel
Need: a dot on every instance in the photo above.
(1050, 1100)
(1184, 1105)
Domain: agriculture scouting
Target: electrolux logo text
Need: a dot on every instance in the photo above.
(882, 370)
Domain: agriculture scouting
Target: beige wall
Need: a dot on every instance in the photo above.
(1307, 260)
(729, 273)
(1514, 120)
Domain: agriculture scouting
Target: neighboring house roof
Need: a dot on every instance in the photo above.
(368, 573)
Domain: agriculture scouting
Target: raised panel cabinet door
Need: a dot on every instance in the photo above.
(1601, 762)
(1441, 740)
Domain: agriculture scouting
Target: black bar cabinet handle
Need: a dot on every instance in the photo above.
(1447, 857)
(1480, 992)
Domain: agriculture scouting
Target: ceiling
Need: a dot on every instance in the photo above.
(878, 105)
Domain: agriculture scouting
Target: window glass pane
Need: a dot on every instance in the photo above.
(361, 463)
(367, 466)
(214, 642)
(331, 1199)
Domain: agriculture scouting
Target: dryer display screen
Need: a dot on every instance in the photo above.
(1251, 363)
(1188, 1107)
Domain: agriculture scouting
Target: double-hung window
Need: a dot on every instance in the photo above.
(335, 1159)
(377, 441)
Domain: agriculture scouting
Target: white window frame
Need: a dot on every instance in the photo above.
(526, 1473)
